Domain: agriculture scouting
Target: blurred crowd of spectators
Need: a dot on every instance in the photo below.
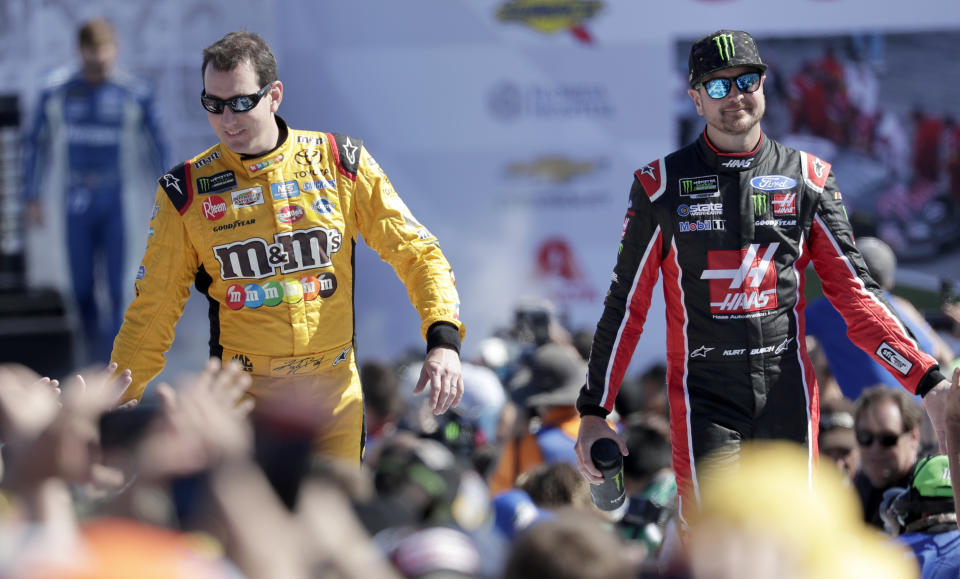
(202, 482)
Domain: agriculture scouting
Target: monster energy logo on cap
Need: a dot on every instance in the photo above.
(721, 50)
(759, 203)
(725, 46)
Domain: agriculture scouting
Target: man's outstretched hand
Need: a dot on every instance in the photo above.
(442, 370)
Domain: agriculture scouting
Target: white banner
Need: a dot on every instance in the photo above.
(510, 127)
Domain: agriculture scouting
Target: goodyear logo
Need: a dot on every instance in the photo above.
(550, 16)
(725, 46)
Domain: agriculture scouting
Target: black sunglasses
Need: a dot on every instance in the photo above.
(718, 88)
(237, 104)
(887, 440)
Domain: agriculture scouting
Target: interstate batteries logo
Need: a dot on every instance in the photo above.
(551, 16)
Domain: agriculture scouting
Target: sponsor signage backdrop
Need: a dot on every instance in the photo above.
(510, 127)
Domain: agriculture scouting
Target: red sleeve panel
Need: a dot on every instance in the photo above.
(628, 299)
(872, 323)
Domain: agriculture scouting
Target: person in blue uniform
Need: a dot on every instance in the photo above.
(92, 124)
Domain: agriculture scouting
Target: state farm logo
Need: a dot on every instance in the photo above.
(214, 207)
(743, 280)
(290, 214)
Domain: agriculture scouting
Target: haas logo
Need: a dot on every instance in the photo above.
(742, 280)
(738, 163)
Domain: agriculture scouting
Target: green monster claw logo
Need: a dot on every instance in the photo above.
(759, 203)
(204, 183)
(687, 186)
(725, 46)
(619, 480)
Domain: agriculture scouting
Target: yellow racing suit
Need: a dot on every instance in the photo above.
(270, 241)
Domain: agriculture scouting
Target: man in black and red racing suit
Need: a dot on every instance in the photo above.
(733, 234)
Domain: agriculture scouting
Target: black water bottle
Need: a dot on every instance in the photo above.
(610, 495)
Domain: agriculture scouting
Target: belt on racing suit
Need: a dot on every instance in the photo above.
(328, 388)
(303, 365)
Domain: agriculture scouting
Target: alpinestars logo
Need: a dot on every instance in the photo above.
(752, 279)
(783, 346)
(818, 167)
(725, 46)
(350, 151)
(170, 181)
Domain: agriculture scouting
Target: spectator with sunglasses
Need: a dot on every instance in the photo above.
(887, 426)
(732, 221)
(265, 223)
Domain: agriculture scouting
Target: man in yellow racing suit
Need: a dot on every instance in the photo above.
(265, 224)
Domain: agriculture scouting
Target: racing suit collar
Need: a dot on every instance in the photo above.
(282, 137)
(731, 162)
(267, 162)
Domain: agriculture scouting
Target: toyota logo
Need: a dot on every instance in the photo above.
(307, 157)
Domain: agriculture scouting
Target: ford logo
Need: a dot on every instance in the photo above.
(773, 182)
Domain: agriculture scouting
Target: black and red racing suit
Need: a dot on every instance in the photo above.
(733, 235)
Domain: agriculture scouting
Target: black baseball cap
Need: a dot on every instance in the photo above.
(720, 50)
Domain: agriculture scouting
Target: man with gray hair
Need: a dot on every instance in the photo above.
(853, 368)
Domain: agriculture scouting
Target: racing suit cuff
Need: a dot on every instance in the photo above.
(929, 381)
(592, 410)
(443, 334)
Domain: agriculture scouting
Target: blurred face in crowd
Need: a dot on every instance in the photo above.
(885, 465)
(251, 132)
(738, 113)
(845, 457)
(98, 59)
